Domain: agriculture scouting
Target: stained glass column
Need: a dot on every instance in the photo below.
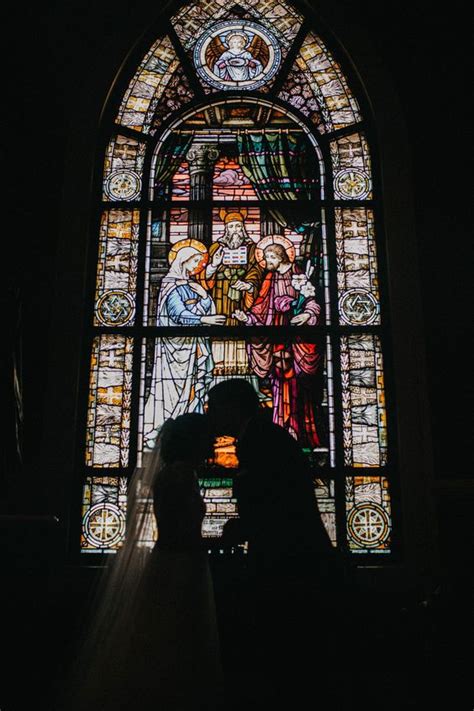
(201, 158)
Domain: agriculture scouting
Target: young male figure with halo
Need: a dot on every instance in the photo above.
(294, 367)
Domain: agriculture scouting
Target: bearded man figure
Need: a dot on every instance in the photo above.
(286, 297)
(233, 277)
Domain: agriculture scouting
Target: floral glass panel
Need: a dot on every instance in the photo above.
(368, 514)
(123, 169)
(110, 390)
(357, 276)
(363, 402)
(303, 94)
(104, 508)
(352, 171)
(176, 95)
(117, 268)
(153, 75)
(316, 79)
(288, 375)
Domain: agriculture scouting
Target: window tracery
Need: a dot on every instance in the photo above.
(238, 237)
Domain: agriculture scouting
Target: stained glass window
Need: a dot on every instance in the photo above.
(238, 236)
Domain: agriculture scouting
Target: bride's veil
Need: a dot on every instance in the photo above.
(103, 648)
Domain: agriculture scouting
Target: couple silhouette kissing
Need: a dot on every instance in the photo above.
(157, 640)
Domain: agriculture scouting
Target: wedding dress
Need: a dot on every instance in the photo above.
(155, 641)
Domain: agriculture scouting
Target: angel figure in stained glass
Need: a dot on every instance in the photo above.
(183, 366)
(236, 57)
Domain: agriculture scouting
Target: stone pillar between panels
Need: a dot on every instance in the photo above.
(201, 159)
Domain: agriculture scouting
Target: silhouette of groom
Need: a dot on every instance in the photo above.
(290, 557)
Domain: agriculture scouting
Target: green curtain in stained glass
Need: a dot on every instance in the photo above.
(281, 165)
(170, 158)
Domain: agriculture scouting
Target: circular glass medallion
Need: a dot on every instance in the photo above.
(358, 307)
(352, 184)
(368, 525)
(115, 308)
(104, 525)
(123, 185)
(237, 54)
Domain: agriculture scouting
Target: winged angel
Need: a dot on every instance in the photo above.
(236, 58)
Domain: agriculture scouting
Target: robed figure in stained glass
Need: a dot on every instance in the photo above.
(183, 367)
(286, 298)
(233, 274)
(233, 277)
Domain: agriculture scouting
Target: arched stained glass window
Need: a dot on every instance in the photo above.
(238, 236)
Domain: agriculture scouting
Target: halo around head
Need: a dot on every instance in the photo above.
(237, 33)
(195, 244)
(267, 241)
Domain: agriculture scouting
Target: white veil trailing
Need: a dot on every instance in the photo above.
(102, 658)
(153, 629)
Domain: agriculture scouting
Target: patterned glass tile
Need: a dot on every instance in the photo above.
(357, 274)
(117, 268)
(110, 391)
(123, 169)
(352, 168)
(363, 402)
(277, 15)
(368, 514)
(104, 508)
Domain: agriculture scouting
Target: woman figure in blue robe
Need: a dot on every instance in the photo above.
(183, 366)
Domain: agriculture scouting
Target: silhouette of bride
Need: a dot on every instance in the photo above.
(155, 643)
